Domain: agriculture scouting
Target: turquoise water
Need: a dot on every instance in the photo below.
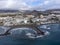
(52, 39)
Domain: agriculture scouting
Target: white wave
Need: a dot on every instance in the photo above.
(30, 35)
(47, 33)
(48, 28)
(40, 36)
(45, 27)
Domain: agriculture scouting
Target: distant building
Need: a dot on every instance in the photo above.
(41, 16)
(30, 16)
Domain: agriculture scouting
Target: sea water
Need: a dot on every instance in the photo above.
(52, 39)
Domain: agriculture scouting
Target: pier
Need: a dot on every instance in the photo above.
(33, 26)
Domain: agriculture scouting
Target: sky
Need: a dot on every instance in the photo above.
(29, 4)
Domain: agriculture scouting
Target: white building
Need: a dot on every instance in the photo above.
(39, 19)
(22, 20)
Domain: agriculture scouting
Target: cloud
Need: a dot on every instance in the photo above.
(46, 2)
(50, 4)
(14, 4)
(17, 4)
(29, 4)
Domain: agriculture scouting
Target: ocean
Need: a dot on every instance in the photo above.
(52, 39)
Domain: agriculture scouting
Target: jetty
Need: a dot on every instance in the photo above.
(32, 26)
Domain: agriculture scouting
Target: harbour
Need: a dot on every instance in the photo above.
(52, 38)
(29, 22)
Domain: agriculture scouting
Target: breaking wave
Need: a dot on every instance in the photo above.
(30, 35)
(22, 32)
(45, 27)
(26, 33)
